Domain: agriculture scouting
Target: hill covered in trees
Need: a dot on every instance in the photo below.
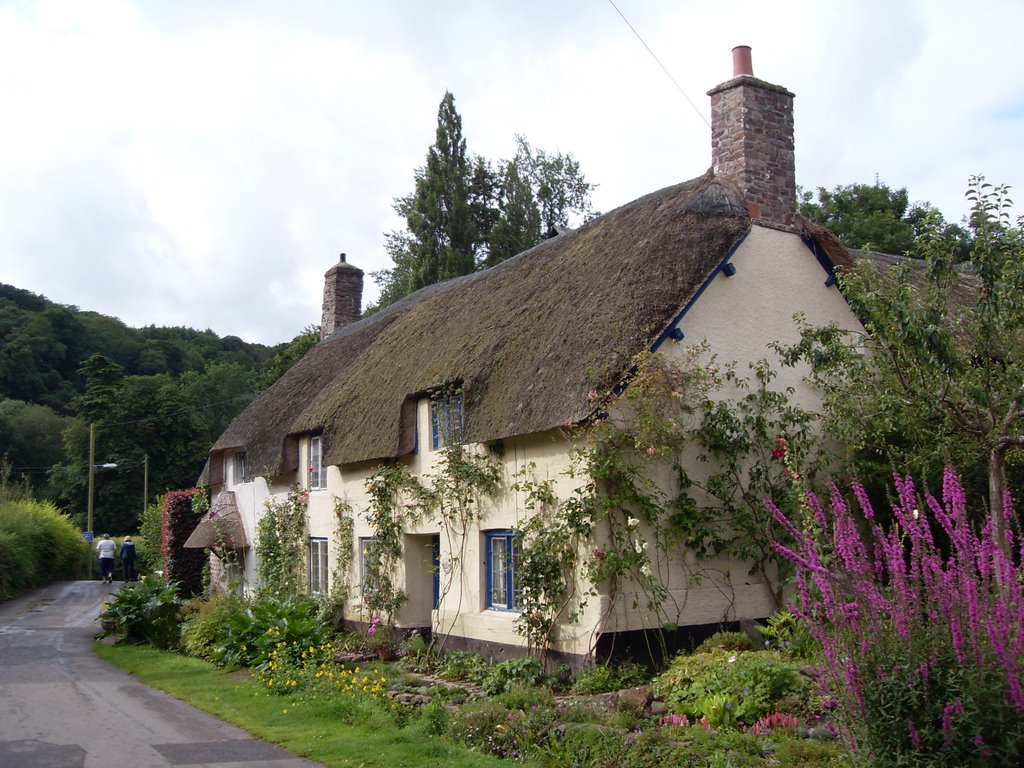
(157, 397)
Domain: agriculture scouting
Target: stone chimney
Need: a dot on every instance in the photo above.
(752, 141)
(343, 297)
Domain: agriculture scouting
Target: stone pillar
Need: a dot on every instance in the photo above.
(752, 141)
(343, 297)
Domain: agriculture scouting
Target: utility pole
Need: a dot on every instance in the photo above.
(92, 468)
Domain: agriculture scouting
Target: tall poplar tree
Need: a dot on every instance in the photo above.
(462, 215)
(441, 231)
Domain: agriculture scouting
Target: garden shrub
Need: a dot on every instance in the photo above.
(249, 637)
(147, 611)
(38, 544)
(603, 678)
(525, 697)
(727, 641)
(729, 688)
(788, 634)
(182, 511)
(204, 626)
(462, 665)
(921, 624)
(486, 725)
(506, 674)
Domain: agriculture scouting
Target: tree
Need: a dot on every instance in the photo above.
(874, 217)
(942, 380)
(287, 354)
(30, 440)
(558, 185)
(518, 224)
(463, 216)
(437, 213)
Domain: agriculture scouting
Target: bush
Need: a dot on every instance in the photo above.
(250, 636)
(727, 641)
(502, 677)
(788, 634)
(38, 545)
(462, 665)
(729, 689)
(147, 611)
(486, 725)
(204, 627)
(922, 630)
(527, 697)
(602, 678)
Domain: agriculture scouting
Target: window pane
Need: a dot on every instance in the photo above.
(517, 590)
(499, 592)
(446, 420)
(315, 469)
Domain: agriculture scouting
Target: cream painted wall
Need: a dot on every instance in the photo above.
(776, 275)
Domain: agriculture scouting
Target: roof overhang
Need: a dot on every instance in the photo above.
(221, 528)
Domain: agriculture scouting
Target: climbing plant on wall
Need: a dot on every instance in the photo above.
(673, 468)
(397, 499)
(281, 545)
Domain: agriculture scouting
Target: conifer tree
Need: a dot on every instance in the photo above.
(463, 216)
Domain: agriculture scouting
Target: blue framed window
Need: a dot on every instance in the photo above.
(502, 549)
(317, 566)
(445, 420)
(435, 568)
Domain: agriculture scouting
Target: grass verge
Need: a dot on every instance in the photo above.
(301, 726)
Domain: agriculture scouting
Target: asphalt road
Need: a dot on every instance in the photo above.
(61, 707)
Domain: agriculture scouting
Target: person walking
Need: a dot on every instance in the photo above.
(128, 559)
(105, 552)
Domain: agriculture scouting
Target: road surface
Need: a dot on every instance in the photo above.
(61, 707)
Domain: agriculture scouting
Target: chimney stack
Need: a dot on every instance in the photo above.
(752, 141)
(343, 297)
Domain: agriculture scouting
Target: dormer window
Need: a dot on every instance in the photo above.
(240, 475)
(446, 419)
(317, 473)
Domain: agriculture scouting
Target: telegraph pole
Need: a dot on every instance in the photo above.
(92, 468)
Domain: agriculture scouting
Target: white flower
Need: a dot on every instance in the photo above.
(645, 569)
(632, 522)
(732, 659)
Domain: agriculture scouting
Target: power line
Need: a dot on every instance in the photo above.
(663, 68)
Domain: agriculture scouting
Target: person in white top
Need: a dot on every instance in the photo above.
(105, 551)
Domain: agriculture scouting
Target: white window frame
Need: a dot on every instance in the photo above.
(316, 472)
(238, 469)
(318, 566)
(365, 545)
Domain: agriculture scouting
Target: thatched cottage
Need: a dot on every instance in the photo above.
(502, 361)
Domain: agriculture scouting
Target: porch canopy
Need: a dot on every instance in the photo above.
(221, 528)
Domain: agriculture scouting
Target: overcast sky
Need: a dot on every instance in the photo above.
(204, 162)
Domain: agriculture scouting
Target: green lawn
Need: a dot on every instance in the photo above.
(300, 726)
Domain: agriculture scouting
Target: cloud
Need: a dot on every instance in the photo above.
(203, 164)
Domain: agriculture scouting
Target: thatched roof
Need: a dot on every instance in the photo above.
(221, 527)
(527, 340)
